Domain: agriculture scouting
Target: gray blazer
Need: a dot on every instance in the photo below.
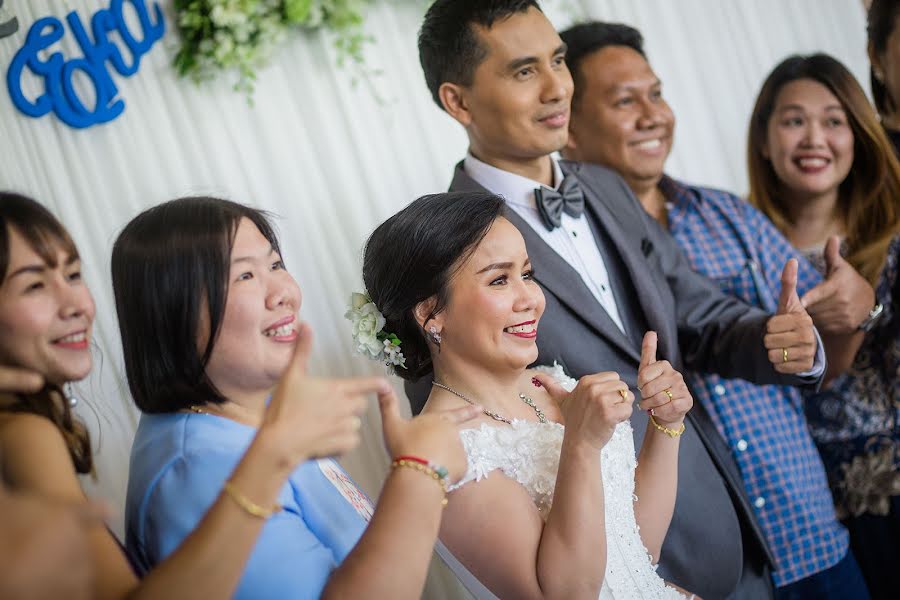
(714, 546)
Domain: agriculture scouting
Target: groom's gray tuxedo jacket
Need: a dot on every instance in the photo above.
(714, 547)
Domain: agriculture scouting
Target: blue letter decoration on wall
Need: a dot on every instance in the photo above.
(59, 94)
(9, 27)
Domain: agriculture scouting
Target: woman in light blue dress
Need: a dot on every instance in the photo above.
(208, 316)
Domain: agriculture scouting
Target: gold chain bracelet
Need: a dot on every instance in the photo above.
(672, 433)
(410, 464)
(248, 506)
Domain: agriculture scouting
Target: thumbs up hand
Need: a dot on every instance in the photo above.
(431, 435)
(311, 417)
(662, 388)
(593, 409)
(790, 339)
(840, 303)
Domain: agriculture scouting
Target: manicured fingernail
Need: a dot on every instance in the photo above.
(536, 382)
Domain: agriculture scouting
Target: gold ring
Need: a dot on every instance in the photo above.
(668, 392)
(784, 357)
(624, 394)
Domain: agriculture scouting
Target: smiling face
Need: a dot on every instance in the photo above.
(256, 339)
(491, 319)
(621, 119)
(46, 313)
(809, 141)
(517, 107)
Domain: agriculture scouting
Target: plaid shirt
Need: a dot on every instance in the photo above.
(731, 242)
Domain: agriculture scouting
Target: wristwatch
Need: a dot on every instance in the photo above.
(870, 321)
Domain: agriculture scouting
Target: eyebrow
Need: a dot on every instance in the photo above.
(501, 266)
(251, 258)
(801, 108)
(37, 269)
(518, 63)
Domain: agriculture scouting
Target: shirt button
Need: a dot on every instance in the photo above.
(742, 445)
(759, 502)
(720, 389)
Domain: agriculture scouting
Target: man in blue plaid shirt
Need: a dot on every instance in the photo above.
(620, 120)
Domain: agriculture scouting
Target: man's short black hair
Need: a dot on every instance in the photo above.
(586, 38)
(449, 49)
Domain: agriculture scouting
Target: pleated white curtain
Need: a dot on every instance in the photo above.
(334, 159)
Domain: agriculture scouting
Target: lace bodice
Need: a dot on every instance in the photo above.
(528, 452)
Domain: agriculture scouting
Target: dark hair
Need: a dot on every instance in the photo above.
(46, 236)
(449, 48)
(867, 198)
(168, 264)
(412, 257)
(882, 20)
(586, 38)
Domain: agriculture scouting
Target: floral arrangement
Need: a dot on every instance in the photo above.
(368, 332)
(241, 35)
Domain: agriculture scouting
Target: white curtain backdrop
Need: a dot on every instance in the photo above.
(333, 159)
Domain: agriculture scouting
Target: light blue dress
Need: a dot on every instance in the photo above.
(179, 463)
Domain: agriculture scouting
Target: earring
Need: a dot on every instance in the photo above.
(435, 336)
(878, 75)
(71, 398)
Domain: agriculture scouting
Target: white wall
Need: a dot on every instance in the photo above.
(333, 160)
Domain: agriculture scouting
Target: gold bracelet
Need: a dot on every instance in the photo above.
(248, 506)
(672, 433)
(442, 481)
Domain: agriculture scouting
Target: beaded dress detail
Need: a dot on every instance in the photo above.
(528, 452)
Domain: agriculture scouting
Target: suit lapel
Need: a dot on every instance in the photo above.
(556, 275)
(635, 260)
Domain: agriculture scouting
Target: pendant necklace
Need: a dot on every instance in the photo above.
(493, 415)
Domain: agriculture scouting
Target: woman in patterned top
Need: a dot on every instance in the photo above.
(823, 170)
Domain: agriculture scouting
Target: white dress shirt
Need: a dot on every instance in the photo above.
(573, 240)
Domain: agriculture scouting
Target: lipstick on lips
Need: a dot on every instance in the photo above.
(282, 330)
(73, 341)
(526, 330)
(811, 163)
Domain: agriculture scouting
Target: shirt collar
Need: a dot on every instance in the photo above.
(514, 188)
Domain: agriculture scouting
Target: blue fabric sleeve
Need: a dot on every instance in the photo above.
(288, 559)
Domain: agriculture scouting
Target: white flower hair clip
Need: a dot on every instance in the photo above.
(368, 333)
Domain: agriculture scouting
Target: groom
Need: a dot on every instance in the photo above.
(609, 272)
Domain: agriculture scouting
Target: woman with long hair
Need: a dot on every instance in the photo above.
(823, 170)
(209, 319)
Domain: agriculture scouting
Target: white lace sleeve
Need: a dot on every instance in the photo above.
(559, 374)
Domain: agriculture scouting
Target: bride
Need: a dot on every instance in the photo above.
(552, 499)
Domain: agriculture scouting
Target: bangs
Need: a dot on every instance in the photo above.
(43, 233)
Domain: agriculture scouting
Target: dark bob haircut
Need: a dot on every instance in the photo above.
(170, 266)
(586, 38)
(882, 20)
(47, 237)
(412, 257)
(449, 48)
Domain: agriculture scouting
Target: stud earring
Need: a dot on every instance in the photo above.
(435, 335)
(878, 75)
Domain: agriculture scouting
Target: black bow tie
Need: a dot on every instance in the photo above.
(552, 203)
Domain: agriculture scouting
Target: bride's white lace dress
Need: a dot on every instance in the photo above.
(528, 452)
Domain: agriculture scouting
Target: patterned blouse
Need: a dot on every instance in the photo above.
(856, 421)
